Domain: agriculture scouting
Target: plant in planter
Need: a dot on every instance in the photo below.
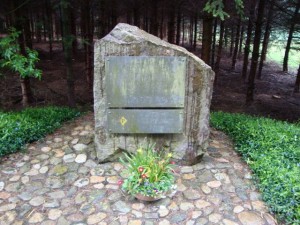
(150, 173)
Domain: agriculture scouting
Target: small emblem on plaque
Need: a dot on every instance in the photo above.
(123, 121)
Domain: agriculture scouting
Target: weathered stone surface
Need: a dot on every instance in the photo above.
(126, 40)
(250, 218)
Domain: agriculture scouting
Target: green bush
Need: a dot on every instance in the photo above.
(19, 128)
(272, 150)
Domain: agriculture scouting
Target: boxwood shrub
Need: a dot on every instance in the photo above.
(31, 124)
(272, 150)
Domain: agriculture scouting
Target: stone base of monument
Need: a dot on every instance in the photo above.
(147, 90)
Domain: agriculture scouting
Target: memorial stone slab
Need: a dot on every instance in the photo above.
(147, 90)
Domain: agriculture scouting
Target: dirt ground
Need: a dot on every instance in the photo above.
(274, 95)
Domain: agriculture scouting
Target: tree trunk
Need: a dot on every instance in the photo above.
(290, 37)
(231, 41)
(67, 41)
(178, 22)
(207, 38)
(195, 31)
(73, 31)
(297, 83)
(241, 41)
(171, 25)
(255, 53)
(226, 37)
(219, 53)
(183, 32)
(214, 43)
(153, 19)
(248, 40)
(236, 44)
(49, 24)
(266, 40)
(20, 21)
(191, 31)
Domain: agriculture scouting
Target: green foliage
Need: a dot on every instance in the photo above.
(12, 59)
(150, 172)
(19, 128)
(216, 8)
(272, 150)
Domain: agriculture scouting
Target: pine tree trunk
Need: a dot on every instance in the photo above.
(297, 83)
(191, 31)
(195, 32)
(248, 39)
(290, 37)
(171, 25)
(255, 53)
(49, 25)
(73, 31)
(214, 43)
(241, 41)
(207, 38)
(226, 37)
(266, 40)
(231, 41)
(183, 32)
(153, 19)
(236, 44)
(178, 26)
(66, 25)
(219, 53)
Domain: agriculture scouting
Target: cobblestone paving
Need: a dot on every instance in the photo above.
(58, 181)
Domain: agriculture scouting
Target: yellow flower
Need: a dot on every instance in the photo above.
(170, 155)
(140, 150)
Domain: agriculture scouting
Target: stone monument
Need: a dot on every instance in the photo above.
(147, 90)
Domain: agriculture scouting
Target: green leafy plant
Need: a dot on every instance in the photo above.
(216, 8)
(12, 59)
(272, 150)
(31, 124)
(150, 172)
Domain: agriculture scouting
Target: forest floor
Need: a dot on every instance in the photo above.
(274, 95)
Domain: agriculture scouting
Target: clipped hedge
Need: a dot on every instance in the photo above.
(31, 124)
(272, 150)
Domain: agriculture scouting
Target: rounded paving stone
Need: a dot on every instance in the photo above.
(36, 218)
(238, 209)
(185, 206)
(200, 204)
(164, 222)
(81, 158)
(96, 218)
(45, 149)
(7, 207)
(229, 222)
(214, 184)
(80, 147)
(134, 222)
(250, 218)
(36, 201)
(54, 214)
(215, 217)
(163, 211)
(82, 182)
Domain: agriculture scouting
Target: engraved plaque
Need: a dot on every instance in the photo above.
(155, 121)
(145, 81)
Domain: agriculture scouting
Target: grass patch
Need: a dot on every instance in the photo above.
(19, 128)
(272, 150)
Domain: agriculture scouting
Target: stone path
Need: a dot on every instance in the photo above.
(57, 181)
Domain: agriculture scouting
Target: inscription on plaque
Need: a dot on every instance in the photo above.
(145, 94)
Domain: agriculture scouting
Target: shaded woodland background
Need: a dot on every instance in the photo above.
(233, 37)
